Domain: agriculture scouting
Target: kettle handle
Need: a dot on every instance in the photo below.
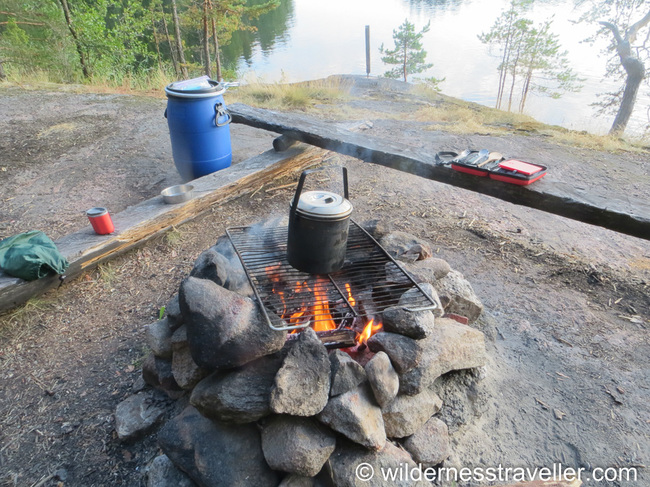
(301, 183)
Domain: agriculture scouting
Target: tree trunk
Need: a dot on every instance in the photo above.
(217, 56)
(155, 36)
(3, 75)
(172, 49)
(179, 40)
(634, 69)
(635, 74)
(73, 33)
(503, 71)
(404, 68)
(206, 40)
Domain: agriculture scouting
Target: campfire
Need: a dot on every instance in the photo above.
(302, 305)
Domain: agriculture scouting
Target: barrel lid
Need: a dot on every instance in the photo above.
(201, 87)
(324, 204)
(97, 211)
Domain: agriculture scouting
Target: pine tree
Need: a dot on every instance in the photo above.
(408, 53)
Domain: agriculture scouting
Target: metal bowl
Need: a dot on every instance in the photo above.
(177, 194)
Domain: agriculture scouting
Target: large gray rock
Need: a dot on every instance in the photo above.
(404, 352)
(465, 397)
(163, 473)
(416, 325)
(383, 379)
(213, 453)
(355, 415)
(347, 373)
(353, 466)
(241, 395)
(226, 271)
(297, 445)
(429, 290)
(457, 296)
(158, 336)
(452, 346)
(405, 247)
(157, 372)
(224, 329)
(430, 444)
(302, 384)
(136, 415)
(186, 372)
(407, 414)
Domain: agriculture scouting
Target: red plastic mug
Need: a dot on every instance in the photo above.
(101, 221)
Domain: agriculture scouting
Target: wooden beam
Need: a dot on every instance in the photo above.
(139, 223)
(561, 198)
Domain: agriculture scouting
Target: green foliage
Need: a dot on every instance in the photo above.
(115, 37)
(408, 54)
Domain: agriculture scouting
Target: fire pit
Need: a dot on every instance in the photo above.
(292, 375)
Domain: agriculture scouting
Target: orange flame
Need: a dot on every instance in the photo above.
(323, 320)
(369, 330)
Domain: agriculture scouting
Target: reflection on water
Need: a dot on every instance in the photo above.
(271, 30)
(306, 39)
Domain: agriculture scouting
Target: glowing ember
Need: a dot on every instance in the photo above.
(351, 300)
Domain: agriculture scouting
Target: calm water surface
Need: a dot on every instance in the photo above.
(308, 39)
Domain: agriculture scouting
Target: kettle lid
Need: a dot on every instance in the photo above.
(324, 204)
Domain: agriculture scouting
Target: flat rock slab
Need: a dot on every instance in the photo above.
(224, 329)
(452, 346)
(430, 444)
(407, 414)
(416, 324)
(297, 445)
(302, 384)
(136, 415)
(241, 395)
(213, 453)
(355, 414)
(353, 466)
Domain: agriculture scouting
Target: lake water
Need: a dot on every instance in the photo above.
(308, 39)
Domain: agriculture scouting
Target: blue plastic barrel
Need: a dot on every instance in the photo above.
(198, 126)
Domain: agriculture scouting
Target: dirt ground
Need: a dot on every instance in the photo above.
(567, 310)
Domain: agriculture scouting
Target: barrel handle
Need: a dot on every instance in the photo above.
(221, 111)
(301, 183)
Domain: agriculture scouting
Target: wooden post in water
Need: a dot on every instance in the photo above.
(367, 50)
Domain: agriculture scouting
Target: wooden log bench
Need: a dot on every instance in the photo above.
(616, 212)
(139, 223)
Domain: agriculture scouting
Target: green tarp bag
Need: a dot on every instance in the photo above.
(30, 256)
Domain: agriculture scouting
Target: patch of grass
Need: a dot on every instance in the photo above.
(301, 96)
(108, 274)
(24, 316)
(174, 237)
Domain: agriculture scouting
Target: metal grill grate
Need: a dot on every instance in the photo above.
(369, 282)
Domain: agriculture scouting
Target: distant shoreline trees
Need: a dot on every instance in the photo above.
(531, 58)
(120, 40)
